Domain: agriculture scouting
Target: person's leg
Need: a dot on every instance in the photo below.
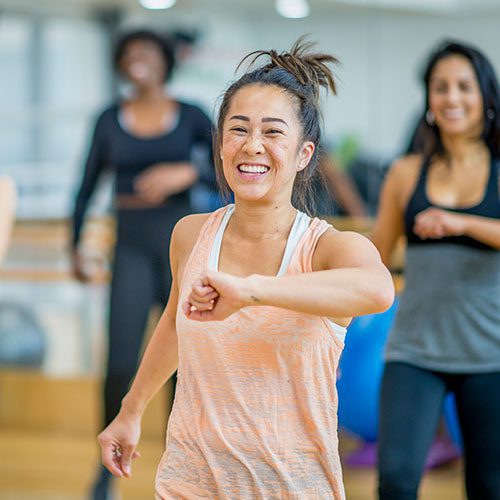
(130, 300)
(410, 406)
(478, 406)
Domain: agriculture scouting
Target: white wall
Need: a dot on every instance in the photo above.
(382, 54)
(379, 97)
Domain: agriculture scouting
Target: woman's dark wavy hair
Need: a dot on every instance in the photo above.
(165, 45)
(427, 139)
(301, 73)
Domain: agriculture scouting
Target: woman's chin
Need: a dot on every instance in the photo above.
(459, 130)
(249, 193)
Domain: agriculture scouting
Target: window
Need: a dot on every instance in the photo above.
(55, 77)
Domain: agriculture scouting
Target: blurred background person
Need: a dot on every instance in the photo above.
(445, 198)
(147, 139)
(54, 62)
(338, 194)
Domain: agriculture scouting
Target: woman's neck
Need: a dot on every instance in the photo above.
(264, 222)
(462, 151)
(150, 95)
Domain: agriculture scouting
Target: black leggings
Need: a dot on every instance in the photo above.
(141, 279)
(411, 404)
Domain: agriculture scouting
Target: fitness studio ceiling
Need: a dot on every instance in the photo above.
(443, 7)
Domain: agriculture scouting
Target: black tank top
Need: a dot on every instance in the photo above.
(488, 207)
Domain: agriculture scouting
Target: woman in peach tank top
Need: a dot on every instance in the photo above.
(260, 300)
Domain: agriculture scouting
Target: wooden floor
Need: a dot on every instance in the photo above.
(48, 449)
(42, 466)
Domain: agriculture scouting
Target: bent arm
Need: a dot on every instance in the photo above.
(349, 280)
(437, 223)
(389, 224)
(119, 440)
(342, 189)
(483, 229)
(161, 180)
(94, 166)
(161, 356)
(157, 366)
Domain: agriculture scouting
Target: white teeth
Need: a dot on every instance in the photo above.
(139, 70)
(454, 113)
(253, 169)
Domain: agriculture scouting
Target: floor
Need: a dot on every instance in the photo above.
(49, 416)
(43, 466)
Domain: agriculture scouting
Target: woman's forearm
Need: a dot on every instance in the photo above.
(183, 175)
(157, 366)
(334, 293)
(483, 229)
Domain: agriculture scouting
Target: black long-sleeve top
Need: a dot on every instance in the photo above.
(127, 155)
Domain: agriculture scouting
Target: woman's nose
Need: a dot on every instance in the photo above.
(453, 94)
(253, 145)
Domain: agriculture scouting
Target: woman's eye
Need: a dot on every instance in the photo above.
(274, 131)
(440, 88)
(467, 87)
(238, 129)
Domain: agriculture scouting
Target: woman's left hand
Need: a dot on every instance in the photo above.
(215, 296)
(437, 223)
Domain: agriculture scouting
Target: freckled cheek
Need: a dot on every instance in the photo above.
(229, 148)
(279, 151)
(283, 146)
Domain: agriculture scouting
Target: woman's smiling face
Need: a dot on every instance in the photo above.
(262, 148)
(142, 63)
(455, 97)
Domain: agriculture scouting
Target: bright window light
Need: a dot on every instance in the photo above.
(157, 4)
(293, 8)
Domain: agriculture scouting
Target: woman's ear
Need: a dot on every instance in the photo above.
(305, 155)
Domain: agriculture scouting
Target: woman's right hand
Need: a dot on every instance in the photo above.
(79, 268)
(118, 442)
(88, 268)
(215, 296)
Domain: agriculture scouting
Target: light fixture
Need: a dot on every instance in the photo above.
(157, 4)
(293, 8)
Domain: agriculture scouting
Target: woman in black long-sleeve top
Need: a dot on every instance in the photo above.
(147, 141)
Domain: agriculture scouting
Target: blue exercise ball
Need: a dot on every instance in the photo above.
(360, 373)
(22, 339)
(451, 421)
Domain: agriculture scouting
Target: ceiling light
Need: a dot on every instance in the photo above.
(157, 4)
(293, 8)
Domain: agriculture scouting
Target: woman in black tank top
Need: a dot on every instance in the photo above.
(445, 199)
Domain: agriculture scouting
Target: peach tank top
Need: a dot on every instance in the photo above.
(255, 411)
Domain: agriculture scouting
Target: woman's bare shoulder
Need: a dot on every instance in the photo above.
(406, 167)
(343, 249)
(403, 177)
(186, 232)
